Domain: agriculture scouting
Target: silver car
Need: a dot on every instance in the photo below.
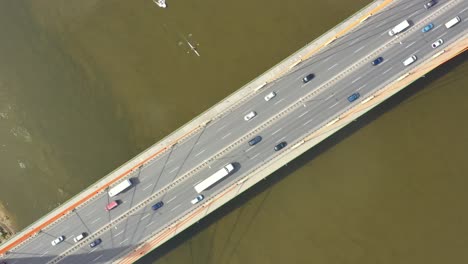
(437, 43)
(269, 96)
(197, 199)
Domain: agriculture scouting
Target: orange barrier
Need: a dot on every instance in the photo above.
(86, 198)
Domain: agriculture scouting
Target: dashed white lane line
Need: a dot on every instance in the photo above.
(362, 87)
(123, 241)
(383, 33)
(145, 216)
(357, 79)
(92, 250)
(175, 207)
(301, 115)
(150, 223)
(90, 213)
(336, 64)
(276, 131)
(333, 105)
(330, 96)
(437, 27)
(95, 220)
(255, 156)
(414, 13)
(409, 45)
(307, 122)
(221, 128)
(327, 58)
(356, 51)
(94, 260)
(466, 8)
(44, 253)
(199, 153)
(387, 70)
(277, 102)
(121, 232)
(281, 139)
(172, 199)
(147, 186)
(443, 34)
(174, 169)
(227, 135)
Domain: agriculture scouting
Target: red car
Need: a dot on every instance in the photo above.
(112, 205)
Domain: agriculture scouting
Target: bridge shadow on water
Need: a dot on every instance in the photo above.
(401, 97)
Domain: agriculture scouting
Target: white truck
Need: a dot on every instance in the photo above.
(119, 188)
(217, 176)
(399, 28)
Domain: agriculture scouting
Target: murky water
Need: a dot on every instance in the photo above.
(86, 85)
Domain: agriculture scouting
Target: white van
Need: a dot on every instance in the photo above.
(452, 22)
(410, 60)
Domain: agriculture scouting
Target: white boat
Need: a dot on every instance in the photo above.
(160, 3)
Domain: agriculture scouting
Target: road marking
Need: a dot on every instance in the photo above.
(44, 253)
(150, 224)
(145, 216)
(97, 219)
(93, 250)
(276, 131)
(463, 10)
(174, 169)
(278, 101)
(362, 87)
(97, 258)
(302, 114)
(172, 199)
(330, 96)
(308, 122)
(329, 57)
(333, 105)
(381, 24)
(443, 34)
(249, 149)
(413, 13)
(416, 51)
(356, 51)
(437, 27)
(383, 33)
(357, 79)
(119, 233)
(227, 135)
(410, 44)
(221, 128)
(90, 213)
(387, 70)
(123, 241)
(175, 207)
(336, 64)
(255, 156)
(149, 185)
(200, 153)
(281, 139)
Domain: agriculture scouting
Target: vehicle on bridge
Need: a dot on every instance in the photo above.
(353, 97)
(428, 27)
(309, 77)
(79, 237)
(157, 205)
(410, 60)
(120, 187)
(399, 28)
(112, 205)
(280, 146)
(430, 4)
(452, 22)
(58, 240)
(197, 199)
(437, 43)
(217, 176)
(95, 243)
(250, 115)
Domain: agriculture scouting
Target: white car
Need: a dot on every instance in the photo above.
(79, 237)
(197, 199)
(437, 43)
(250, 115)
(57, 240)
(269, 96)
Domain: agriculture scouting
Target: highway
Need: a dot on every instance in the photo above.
(342, 68)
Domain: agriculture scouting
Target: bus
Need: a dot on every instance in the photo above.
(119, 188)
(217, 176)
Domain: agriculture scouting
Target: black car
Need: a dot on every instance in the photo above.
(430, 4)
(308, 78)
(157, 205)
(377, 61)
(95, 243)
(255, 140)
(280, 146)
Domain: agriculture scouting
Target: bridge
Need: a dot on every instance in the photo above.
(301, 114)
